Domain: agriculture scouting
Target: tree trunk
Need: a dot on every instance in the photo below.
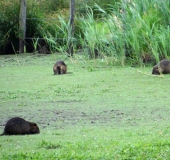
(71, 28)
(22, 25)
(124, 5)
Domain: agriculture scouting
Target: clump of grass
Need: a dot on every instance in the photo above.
(137, 32)
(35, 44)
(48, 145)
(96, 39)
(145, 27)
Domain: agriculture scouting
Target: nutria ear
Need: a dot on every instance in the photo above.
(34, 124)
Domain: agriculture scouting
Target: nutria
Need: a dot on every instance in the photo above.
(60, 67)
(19, 126)
(163, 67)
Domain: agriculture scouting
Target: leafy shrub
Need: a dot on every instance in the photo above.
(9, 12)
(38, 25)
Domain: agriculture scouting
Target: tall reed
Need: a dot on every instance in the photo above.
(146, 28)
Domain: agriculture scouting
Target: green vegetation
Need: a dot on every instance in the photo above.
(125, 30)
(103, 108)
(97, 111)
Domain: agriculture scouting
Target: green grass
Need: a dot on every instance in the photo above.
(97, 111)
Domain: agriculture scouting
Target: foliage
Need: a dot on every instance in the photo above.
(106, 5)
(8, 25)
(121, 30)
(96, 37)
(145, 27)
(53, 5)
(38, 26)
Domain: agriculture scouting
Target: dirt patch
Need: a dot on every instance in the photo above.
(63, 114)
(61, 118)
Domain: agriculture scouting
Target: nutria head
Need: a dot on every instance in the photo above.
(34, 128)
(155, 70)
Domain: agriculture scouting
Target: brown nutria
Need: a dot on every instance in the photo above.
(163, 67)
(60, 67)
(19, 126)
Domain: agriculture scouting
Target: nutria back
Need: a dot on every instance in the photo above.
(19, 126)
(60, 67)
(162, 67)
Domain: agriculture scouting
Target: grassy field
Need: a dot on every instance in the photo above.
(96, 111)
